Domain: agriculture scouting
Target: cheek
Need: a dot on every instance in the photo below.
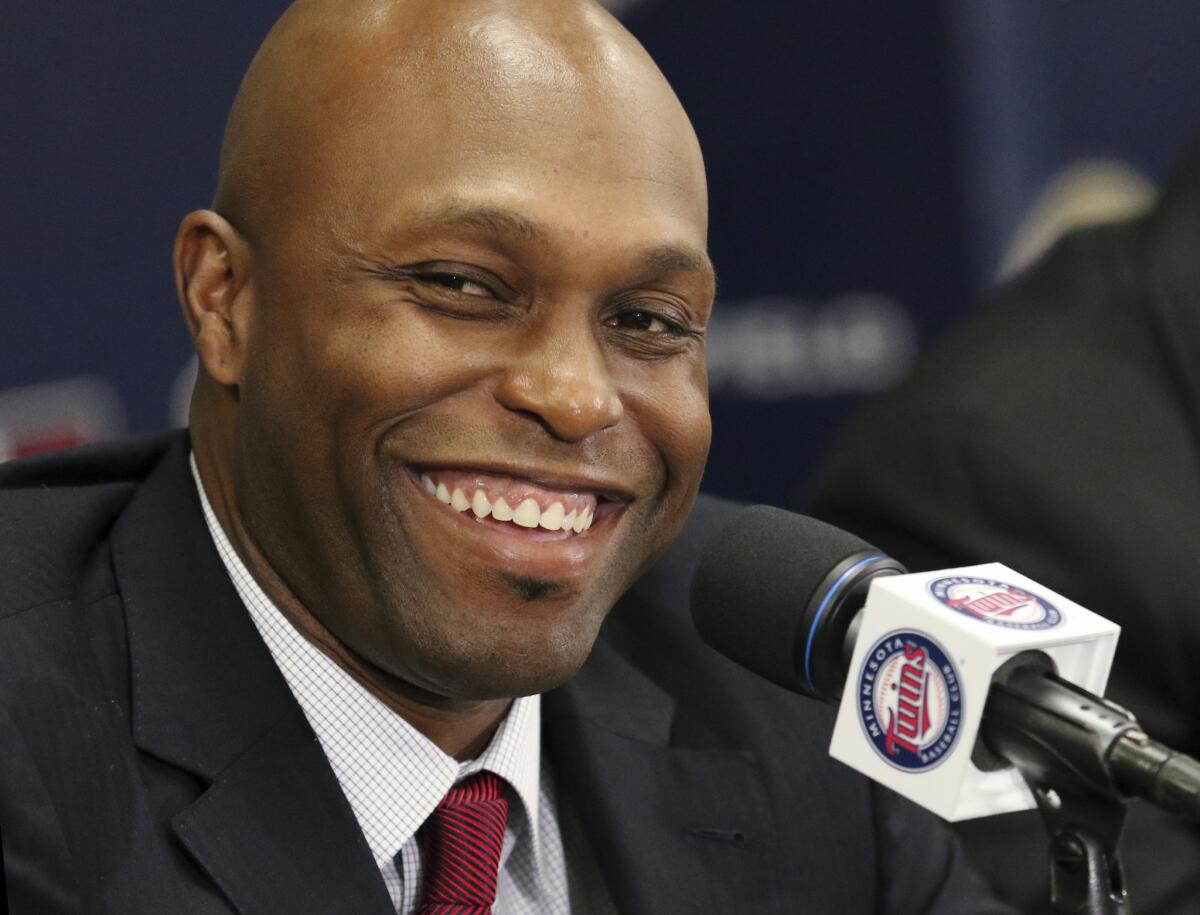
(673, 415)
(356, 365)
(687, 447)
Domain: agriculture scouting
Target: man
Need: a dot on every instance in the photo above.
(1056, 431)
(449, 308)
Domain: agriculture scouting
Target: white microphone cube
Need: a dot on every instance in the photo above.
(923, 661)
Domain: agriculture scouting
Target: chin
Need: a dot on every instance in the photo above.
(520, 660)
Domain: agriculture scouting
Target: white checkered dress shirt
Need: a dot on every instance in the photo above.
(394, 777)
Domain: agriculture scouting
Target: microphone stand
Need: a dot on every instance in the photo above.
(1086, 877)
(1059, 739)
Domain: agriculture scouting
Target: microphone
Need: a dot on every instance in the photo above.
(777, 592)
(944, 680)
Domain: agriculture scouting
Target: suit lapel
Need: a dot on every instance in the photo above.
(673, 828)
(273, 829)
(275, 833)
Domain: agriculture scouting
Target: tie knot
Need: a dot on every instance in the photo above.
(462, 840)
(476, 789)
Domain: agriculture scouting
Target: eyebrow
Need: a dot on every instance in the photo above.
(498, 221)
(493, 220)
(679, 259)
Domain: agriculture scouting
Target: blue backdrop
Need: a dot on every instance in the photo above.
(868, 163)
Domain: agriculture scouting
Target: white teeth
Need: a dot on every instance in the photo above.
(552, 517)
(480, 505)
(527, 514)
(584, 521)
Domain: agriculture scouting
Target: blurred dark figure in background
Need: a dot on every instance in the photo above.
(1058, 431)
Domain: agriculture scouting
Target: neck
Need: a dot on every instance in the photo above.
(461, 729)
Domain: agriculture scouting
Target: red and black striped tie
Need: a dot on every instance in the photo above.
(461, 841)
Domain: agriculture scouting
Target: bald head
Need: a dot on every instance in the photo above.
(335, 78)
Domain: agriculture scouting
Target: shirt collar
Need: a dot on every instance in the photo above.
(392, 775)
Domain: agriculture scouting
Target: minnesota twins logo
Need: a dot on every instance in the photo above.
(995, 602)
(910, 701)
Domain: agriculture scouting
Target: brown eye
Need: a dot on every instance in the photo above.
(456, 282)
(647, 322)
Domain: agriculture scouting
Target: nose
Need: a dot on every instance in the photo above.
(562, 381)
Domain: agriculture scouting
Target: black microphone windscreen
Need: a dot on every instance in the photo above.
(756, 578)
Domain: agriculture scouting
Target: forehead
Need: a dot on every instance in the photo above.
(515, 127)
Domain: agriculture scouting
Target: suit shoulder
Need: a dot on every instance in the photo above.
(48, 539)
(55, 514)
(125, 461)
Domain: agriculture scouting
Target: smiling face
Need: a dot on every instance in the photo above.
(471, 403)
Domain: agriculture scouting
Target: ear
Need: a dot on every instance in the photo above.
(212, 278)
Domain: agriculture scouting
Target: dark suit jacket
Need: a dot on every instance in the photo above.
(152, 758)
(1058, 431)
